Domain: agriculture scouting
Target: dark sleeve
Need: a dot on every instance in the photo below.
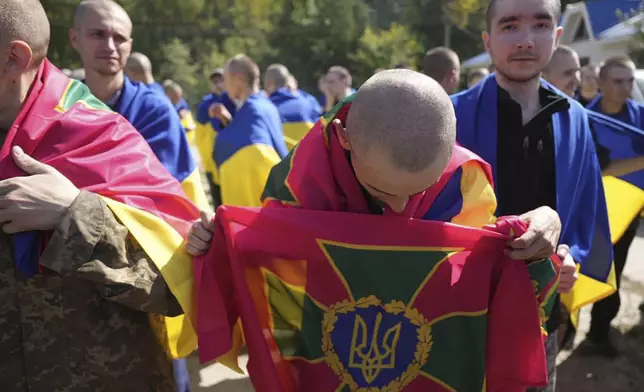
(90, 243)
(603, 153)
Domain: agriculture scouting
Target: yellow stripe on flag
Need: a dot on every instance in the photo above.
(165, 247)
(624, 201)
(193, 187)
(294, 132)
(587, 291)
(205, 142)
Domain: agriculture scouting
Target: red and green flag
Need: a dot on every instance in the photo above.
(334, 301)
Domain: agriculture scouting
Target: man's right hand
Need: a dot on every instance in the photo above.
(219, 111)
(200, 234)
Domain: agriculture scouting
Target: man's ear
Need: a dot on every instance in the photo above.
(342, 134)
(19, 58)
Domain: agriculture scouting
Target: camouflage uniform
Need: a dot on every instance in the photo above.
(81, 324)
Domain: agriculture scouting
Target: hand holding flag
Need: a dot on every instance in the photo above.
(542, 237)
(200, 234)
(38, 201)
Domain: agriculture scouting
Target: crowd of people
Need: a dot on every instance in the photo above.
(104, 205)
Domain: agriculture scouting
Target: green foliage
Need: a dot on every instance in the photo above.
(385, 49)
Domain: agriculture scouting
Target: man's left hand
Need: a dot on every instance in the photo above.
(541, 238)
(568, 275)
(38, 201)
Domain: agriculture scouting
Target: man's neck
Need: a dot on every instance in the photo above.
(148, 79)
(104, 87)
(588, 95)
(248, 92)
(610, 107)
(525, 94)
(12, 104)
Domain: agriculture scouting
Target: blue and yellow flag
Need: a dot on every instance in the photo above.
(297, 113)
(625, 194)
(157, 120)
(580, 194)
(246, 151)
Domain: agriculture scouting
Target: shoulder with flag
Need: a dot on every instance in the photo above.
(119, 245)
(580, 203)
(296, 112)
(157, 120)
(247, 149)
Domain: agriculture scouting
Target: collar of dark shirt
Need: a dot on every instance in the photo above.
(550, 101)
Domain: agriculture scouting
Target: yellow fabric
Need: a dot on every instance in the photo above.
(587, 291)
(624, 201)
(295, 131)
(164, 246)
(205, 137)
(244, 175)
(188, 121)
(479, 201)
(190, 125)
(193, 187)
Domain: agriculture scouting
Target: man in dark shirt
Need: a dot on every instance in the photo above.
(520, 146)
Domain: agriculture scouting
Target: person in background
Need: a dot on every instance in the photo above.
(294, 86)
(337, 86)
(102, 36)
(139, 69)
(210, 121)
(78, 74)
(616, 78)
(296, 111)
(247, 148)
(589, 87)
(536, 141)
(443, 65)
(476, 75)
(175, 93)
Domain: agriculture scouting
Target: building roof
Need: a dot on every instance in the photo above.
(603, 13)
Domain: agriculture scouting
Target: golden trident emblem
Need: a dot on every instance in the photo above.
(377, 356)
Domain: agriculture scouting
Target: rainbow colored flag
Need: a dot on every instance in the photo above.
(336, 301)
(63, 125)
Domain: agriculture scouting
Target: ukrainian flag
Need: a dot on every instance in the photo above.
(297, 113)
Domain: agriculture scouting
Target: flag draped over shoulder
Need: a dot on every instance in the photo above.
(297, 113)
(63, 125)
(333, 301)
(580, 194)
(156, 118)
(625, 194)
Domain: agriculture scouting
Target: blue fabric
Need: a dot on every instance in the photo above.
(202, 111)
(622, 140)
(257, 122)
(158, 88)
(181, 374)
(314, 103)
(294, 107)
(633, 115)
(182, 105)
(26, 251)
(581, 203)
(157, 120)
(449, 201)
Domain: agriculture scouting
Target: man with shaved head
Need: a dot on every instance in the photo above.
(253, 142)
(297, 112)
(443, 65)
(92, 224)
(102, 36)
(563, 70)
(390, 150)
(589, 87)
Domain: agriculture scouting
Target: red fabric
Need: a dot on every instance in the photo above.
(285, 242)
(98, 150)
(322, 178)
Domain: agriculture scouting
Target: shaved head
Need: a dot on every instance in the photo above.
(244, 66)
(25, 20)
(139, 63)
(276, 76)
(102, 6)
(405, 114)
